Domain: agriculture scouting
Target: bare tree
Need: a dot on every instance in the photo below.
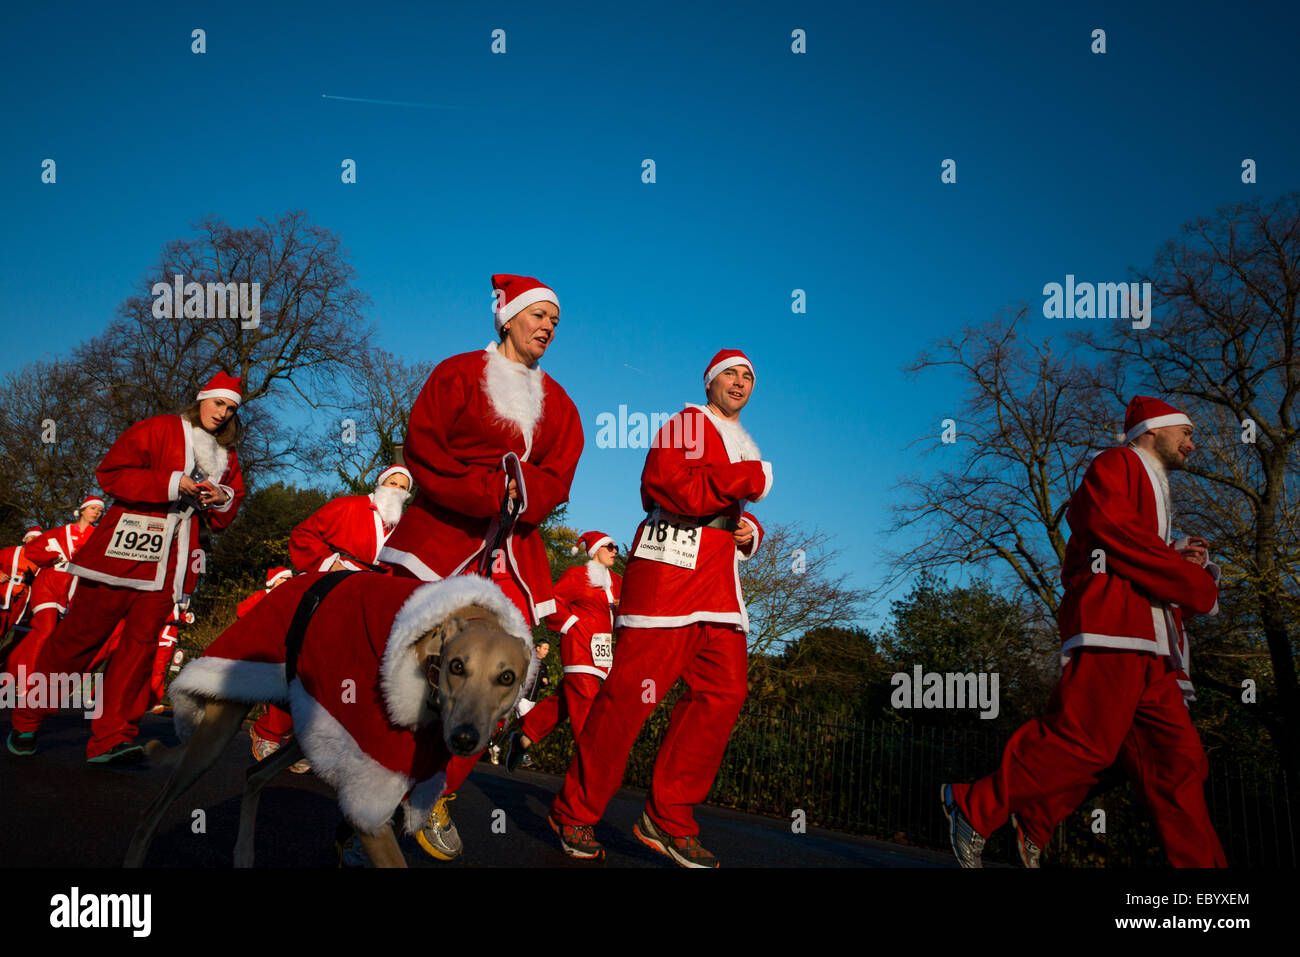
(1012, 456)
(790, 588)
(372, 420)
(1224, 345)
(51, 442)
(310, 330)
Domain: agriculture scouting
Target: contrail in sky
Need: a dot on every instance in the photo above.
(362, 99)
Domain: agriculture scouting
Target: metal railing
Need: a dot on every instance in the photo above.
(882, 778)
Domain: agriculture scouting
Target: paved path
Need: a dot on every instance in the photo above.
(57, 811)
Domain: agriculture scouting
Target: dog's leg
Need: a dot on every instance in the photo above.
(258, 777)
(382, 848)
(221, 721)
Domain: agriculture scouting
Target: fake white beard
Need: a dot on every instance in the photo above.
(739, 437)
(389, 502)
(209, 454)
(598, 574)
(515, 390)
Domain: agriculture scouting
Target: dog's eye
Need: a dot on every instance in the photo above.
(457, 667)
(507, 678)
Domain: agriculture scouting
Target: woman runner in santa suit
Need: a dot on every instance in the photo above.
(53, 587)
(15, 567)
(585, 598)
(681, 614)
(344, 533)
(163, 473)
(488, 426)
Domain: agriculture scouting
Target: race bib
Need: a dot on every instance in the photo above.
(673, 541)
(138, 538)
(602, 650)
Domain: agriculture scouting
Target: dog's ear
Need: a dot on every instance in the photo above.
(428, 647)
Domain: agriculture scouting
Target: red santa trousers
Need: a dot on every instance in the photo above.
(92, 615)
(574, 699)
(713, 661)
(28, 649)
(1105, 702)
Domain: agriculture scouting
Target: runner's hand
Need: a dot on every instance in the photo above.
(743, 535)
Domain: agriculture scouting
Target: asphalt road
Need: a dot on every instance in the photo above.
(57, 811)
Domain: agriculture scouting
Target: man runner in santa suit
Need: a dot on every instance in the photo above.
(1121, 642)
(489, 426)
(585, 599)
(15, 569)
(1035, 824)
(346, 532)
(681, 614)
(162, 473)
(53, 587)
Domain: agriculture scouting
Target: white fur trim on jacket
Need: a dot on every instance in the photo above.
(419, 803)
(209, 454)
(368, 792)
(227, 679)
(740, 445)
(516, 391)
(598, 575)
(405, 686)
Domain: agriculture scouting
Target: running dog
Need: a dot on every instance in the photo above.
(386, 679)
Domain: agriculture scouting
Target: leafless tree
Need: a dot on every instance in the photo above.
(790, 588)
(1002, 470)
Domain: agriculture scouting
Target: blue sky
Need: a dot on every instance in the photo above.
(775, 171)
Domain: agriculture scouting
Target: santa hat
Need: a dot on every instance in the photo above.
(1145, 413)
(31, 533)
(275, 574)
(88, 501)
(592, 541)
(221, 386)
(393, 470)
(725, 360)
(516, 293)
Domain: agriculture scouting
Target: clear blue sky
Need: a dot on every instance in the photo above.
(775, 171)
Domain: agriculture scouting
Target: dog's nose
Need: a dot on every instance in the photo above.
(464, 739)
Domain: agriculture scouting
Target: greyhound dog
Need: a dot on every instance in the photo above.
(433, 667)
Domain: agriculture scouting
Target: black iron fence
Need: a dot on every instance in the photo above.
(882, 778)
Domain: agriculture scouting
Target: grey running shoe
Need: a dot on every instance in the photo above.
(1031, 855)
(439, 836)
(686, 851)
(967, 843)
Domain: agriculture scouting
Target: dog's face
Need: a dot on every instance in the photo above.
(474, 668)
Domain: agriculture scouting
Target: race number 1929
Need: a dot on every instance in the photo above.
(138, 538)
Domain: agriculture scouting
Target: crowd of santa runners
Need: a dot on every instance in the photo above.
(491, 450)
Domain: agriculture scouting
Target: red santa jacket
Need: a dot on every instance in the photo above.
(697, 469)
(360, 701)
(585, 599)
(348, 524)
(15, 563)
(477, 409)
(52, 553)
(1119, 515)
(148, 537)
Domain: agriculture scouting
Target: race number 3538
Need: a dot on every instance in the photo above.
(138, 538)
